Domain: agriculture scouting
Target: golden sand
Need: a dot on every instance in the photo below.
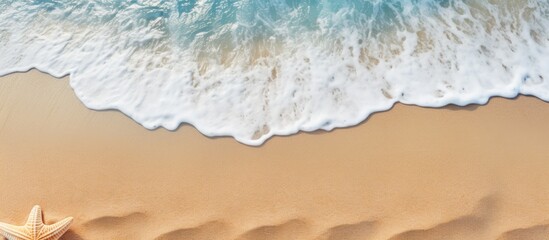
(479, 172)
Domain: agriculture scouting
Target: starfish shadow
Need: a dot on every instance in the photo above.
(71, 235)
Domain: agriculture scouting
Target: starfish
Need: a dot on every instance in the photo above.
(35, 229)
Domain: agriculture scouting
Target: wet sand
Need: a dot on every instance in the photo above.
(477, 172)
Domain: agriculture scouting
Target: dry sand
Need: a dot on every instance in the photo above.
(479, 172)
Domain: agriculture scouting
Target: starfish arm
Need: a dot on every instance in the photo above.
(35, 221)
(11, 232)
(56, 230)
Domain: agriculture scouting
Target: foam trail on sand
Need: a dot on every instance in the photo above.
(252, 69)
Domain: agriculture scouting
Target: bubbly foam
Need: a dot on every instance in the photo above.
(252, 69)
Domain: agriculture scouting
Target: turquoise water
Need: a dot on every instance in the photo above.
(200, 22)
(252, 69)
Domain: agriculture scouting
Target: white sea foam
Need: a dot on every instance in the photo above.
(252, 75)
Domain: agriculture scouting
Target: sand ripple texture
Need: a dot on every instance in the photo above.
(474, 225)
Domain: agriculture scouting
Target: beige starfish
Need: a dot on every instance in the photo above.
(35, 229)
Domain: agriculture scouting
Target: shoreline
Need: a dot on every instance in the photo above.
(454, 107)
(408, 173)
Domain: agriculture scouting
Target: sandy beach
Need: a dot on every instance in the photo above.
(476, 172)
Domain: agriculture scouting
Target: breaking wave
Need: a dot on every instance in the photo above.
(252, 69)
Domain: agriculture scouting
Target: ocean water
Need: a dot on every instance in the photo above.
(252, 69)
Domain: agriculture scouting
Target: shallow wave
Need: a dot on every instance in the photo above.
(252, 69)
